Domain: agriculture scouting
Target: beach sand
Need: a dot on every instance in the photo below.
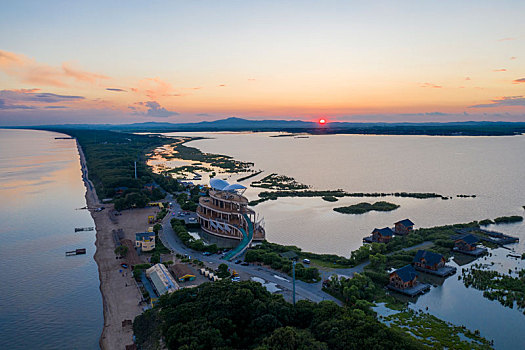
(120, 294)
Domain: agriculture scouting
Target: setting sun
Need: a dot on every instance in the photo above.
(322, 121)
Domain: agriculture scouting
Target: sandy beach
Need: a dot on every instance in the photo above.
(120, 294)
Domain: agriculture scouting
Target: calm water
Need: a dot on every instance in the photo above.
(490, 167)
(48, 301)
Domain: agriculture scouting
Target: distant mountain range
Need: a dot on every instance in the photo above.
(238, 124)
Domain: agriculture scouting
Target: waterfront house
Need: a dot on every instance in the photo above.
(182, 272)
(466, 243)
(403, 278)
(403, 227)
(145, 241)
(429, 260)
(382, 235)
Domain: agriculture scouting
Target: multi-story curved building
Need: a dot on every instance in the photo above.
(225, 214)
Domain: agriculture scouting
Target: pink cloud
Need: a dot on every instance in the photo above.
(27, 70)
(431, 85)
(500, 70)
(519, 81)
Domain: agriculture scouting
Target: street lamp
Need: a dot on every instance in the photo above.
(293, 279)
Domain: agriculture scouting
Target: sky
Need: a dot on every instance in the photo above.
(188, 61)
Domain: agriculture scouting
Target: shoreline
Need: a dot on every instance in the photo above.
(118, 303)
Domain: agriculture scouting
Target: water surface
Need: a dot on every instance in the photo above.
(49, 301)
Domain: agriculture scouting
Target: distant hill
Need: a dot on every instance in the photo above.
(470, 128)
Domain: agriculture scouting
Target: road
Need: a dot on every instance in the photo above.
(310, 291)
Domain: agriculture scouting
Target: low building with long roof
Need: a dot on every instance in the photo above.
(161, 279)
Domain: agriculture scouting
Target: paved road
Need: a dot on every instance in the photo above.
(310, 291)
(326, 273)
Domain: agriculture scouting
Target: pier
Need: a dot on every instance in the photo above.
(79, 229)
(79, 251)
(420, 288)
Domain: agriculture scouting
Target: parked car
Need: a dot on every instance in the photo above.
(206, 253)
(238, 261)
(236, 279)
(244, 263)
(306, 261)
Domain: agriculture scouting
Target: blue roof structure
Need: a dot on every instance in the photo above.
(431, 258)
(141, 235)
(406, 273)
(218, 184)
(405, 223)
(469, 239)
(385, 231)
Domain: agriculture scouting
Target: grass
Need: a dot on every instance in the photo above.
(323, 263)
(364, 207)
(436, 333)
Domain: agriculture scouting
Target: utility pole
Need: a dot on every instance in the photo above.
(135, 170)
(293, 278)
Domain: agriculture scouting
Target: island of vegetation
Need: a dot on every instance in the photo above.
(330, 198)
(279, 182)
(506, 289)
(364, 207)
(273, 195)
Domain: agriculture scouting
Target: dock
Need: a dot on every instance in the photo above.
(420, 288)
(476, 252)
(444, 271)
(79, 251)
(489, 236)
(79, 229)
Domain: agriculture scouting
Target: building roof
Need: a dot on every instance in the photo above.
(431, 258)
(161, 279)
(405, 223)
(234, 187)
(406, 273)
(141, 235)
(385, 231)
(181, 270)
(468, 238)
(218, 184)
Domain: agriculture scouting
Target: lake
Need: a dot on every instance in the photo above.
(49, 301)
(492, 168)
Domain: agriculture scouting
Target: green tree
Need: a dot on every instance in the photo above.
(121, 250)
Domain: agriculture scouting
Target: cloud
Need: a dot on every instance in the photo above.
(116, 89)
(468, 78)
(518, 81)
(33, 99)
(81, 75)
(513, 57)
(27, 70)
(222, 85)
(28, 95)
(3, 105)
(507, 39)
(153, 109)
(431, 85)
(251, 79)
(154, 88)
(500, 70)
(506, 101)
